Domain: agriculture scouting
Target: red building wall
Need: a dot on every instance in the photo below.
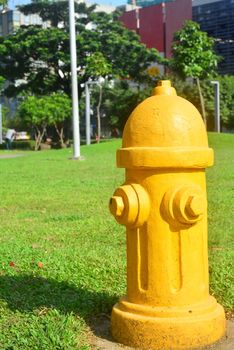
(151, 26)
(153, 31)
(177, 12)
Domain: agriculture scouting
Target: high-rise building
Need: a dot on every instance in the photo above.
(216, 17)
(157, 24)
(11, 20)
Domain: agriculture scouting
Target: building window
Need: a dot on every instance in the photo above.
(26, 20)
(10, 27)
(16, 16)
(9, 15)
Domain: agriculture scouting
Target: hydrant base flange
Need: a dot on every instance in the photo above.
(177, 332)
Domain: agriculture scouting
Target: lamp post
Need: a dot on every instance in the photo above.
(217, 105)
(87, 113)
(134, 6)
(75, 105)
(87, 108)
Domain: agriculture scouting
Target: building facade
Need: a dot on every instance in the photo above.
(11, 20)
(157, 24)
(216, 17)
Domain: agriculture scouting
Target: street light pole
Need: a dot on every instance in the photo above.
(87, 108)
(217, 105)
(75, 103)
(134, 6)
(87, 113)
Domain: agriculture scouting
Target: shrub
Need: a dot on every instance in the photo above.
(21, 145)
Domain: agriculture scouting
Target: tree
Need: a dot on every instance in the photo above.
(227, 100)
(119, 102)
(189, 91)
(58, 109)
(39, 59)
(33, 112)
(3, 3)
(31, 57)
(44, 111)
(194, 56)
(98, 67)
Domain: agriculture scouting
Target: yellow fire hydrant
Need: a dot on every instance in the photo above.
(164, 208)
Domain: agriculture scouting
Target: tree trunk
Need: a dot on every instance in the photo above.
(98, 115)
(202, 102)
(61, 136)
(38, 137)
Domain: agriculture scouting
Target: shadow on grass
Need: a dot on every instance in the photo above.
(28, 293)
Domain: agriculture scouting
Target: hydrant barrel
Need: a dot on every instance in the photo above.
(164, 208)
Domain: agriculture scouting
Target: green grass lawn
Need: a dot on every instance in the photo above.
(62, 256)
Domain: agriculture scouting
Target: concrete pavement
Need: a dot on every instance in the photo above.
(101, 338)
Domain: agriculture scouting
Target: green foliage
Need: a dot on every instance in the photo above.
(189, 91)
(40, 58)
(193, 52)
(194, 56)
(227, 100)
(55, 11)
(119, 102)
(97, 66)
(3, 3)
(33, 111)
(5, 116)
(33, 55)
(21, 145)
(43, 111)
(58, 108)
(2, 80)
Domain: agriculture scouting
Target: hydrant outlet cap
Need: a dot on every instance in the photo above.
(165, 130)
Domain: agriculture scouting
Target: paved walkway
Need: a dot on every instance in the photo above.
(101, 338)
(15, 155)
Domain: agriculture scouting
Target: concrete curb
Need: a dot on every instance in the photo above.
(101, 339)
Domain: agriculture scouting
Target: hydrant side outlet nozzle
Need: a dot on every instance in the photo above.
(130, 205)
(163, 205)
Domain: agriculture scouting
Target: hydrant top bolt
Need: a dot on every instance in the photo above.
(164, 83)
(164, 88)
(116, 205)
(195, 205)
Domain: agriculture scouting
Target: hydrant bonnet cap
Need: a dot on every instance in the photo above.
(165, 130)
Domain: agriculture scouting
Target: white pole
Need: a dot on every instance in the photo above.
(217, 105)
(87, 113)
(75, 105)
(217, 109)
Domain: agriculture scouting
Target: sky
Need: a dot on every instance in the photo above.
(14, 3)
